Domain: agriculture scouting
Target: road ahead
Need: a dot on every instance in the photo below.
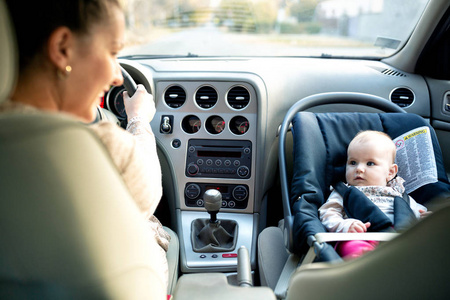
(212, 41)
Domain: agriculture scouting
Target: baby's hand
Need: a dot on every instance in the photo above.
(424, 213)
(359, 226)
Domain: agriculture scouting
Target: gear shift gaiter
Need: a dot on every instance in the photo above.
(213, 235)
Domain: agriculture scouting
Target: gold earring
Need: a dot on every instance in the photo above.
(63, 74)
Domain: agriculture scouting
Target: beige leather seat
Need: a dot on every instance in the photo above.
(68, 226)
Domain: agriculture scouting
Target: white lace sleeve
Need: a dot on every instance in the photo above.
(146, 149)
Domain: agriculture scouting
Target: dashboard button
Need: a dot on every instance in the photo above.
(176, 143)
(229, 255)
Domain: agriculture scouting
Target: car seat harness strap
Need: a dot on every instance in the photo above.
(358, 206)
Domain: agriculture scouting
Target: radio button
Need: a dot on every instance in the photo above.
(236, 163)
(247, 150)
(192, 149)
(199, 162)
(227, 162)
(209, 162)
(218, 162)
(192, 169)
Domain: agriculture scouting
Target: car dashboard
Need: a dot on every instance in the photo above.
(216, 127)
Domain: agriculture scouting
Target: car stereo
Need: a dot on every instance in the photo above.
(219, 158)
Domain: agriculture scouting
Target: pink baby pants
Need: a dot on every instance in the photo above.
(352, 249)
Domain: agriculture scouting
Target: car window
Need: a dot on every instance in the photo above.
(317, 28)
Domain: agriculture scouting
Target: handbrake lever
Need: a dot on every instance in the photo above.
(244, 269)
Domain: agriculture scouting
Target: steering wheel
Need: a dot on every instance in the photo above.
(128, 82)
(304, 104)
(104, 114)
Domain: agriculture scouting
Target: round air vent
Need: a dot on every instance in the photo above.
(403, 97)
(238, 97)
(206, 97)
(175, 96)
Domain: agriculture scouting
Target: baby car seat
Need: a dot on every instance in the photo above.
(320, 142)
(320, 153)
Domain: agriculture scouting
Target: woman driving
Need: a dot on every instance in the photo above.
(67, 61)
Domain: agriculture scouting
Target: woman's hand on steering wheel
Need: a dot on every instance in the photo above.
(141, 104)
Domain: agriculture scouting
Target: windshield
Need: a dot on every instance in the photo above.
(317, 28)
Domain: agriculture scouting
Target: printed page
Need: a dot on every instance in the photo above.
(415, 158)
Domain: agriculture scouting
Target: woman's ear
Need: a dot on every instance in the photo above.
(392, 172)
(59, 47)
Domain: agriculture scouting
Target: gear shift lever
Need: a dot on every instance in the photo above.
(213, 235)
(213, 202)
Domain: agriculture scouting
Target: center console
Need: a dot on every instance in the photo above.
(223, 166)
(206, 133)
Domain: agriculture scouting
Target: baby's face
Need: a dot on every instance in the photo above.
(369, 164)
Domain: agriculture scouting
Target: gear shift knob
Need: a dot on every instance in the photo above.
(213, 202)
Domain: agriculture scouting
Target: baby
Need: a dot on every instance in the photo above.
(370, 168)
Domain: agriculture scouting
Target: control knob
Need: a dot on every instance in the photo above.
(192, 169)
(240, 193)
(192, 191)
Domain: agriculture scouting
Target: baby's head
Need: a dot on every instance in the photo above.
(370, 159)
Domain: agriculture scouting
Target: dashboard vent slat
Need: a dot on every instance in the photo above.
(391, 72)
(403, 97)
(175, 96)
(238, 97)
(206, 97)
